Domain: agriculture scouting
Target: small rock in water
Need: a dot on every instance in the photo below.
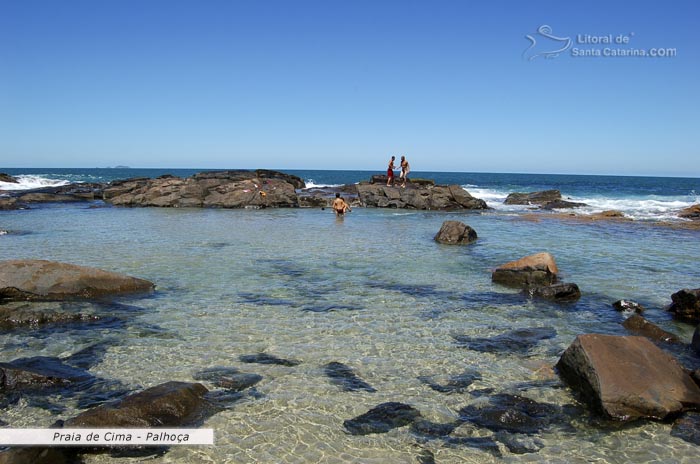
(426, 457)
(511, 413)
(628, 305)
(454, 384)
(344, 377)
(686, 305)
(519, 444)
(688, 428)
(640, 326)
(515, 341)
(264, 358)
(561, 292)
(228, 378)
(212, 374)
(382, 418)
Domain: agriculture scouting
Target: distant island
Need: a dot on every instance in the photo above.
(118, 167)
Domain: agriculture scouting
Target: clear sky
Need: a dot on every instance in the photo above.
(345, 84)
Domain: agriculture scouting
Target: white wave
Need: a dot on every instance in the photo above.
(311, 184)
(28, 182)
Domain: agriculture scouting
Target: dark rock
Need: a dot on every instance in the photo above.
(39, 373)
(9, 204)
(36, 455)
(426, 457)
(50, 198)
(640, 326)
(562, 292)
(511, 413)
(8, 178)
(562, 204)
(48, 280)
(430, 430)
(344, 377)
(533, 198)
(264, 358)
(687, 428)
(695, 344)
(453, 384)
(439, 197)
(17, 315)
(228, 378)
(519, 444)
(455, 233)
(626, 378)
(516, 341)
(219, 189)
(535, 270)
(382, 179)
(172, 404)
(628, 305)
(691, 212)
(382, 418)
(686, 305)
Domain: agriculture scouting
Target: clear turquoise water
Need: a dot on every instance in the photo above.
(373, 291)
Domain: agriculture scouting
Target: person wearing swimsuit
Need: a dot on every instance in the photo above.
(405, 169)
(390, 172)
(339, 206)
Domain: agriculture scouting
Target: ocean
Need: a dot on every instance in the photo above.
(372, 291)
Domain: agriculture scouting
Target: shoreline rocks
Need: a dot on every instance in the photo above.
(686, 305)
(8, 178)
(535, 270)
(455, 233)
(691, 212)
(640, 326)
(437, 197)
(40, 280)
(627, 377)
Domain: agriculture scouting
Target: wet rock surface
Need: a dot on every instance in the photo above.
(686, 305)
(512, 413)
(533, 198)
(520, 341)
(638, 325)
(382, 418)
(687, 428)
(229, 378)
(438, 197)
(264, 358)
(344, 377)
(48, 280)
(627, 377)
(559, 292)
(535, 270)
(8, 178)
(628, 305)
(451, 384)
(15, 314)
(691, 212)
(455, 233)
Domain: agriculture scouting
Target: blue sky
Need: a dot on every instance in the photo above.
(345, 84)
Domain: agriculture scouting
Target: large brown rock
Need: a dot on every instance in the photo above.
(172, 404)
(47, 280)
(686, 305)
(533, 198)
(640, 326)
(626, 378)
(427, 197)
(691, 212)
(455, 233)
(535, 270)
(218, 189)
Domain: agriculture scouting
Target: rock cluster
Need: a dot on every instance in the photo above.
(686, 305)
(546, 199)
(438, 197)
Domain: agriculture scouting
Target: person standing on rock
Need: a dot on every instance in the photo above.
(405, 169)
(390, 172)
(339, 205)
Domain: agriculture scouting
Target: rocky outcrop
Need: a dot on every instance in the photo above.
(626, 378)
(560, 292)
(535, 270)
(640, 326)
(438, 197)
(17, 315)
(382, 179)
(562, 204)
(628, 305)
(455, 233)
(533, 198)
(8, 178)
(687, 428)
(695, 343)
(691, 212)
(47, 280)
(9, 204)
(172, 404)
(686, 305)
(219, 189)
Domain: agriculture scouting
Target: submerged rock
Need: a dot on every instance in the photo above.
(344, 377)
(516, 341)
(47, 280)
(17, 315)
(640, 326)
(382, 418)
(686, 305)
(228, 377)
(512, 413)
(561, 292)
(688, 428)
(628, 305)
(455, 233)
(533, 198)
(626, 378)
(40, 373)
(264, 358)
(535, 270)
(453, 384)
